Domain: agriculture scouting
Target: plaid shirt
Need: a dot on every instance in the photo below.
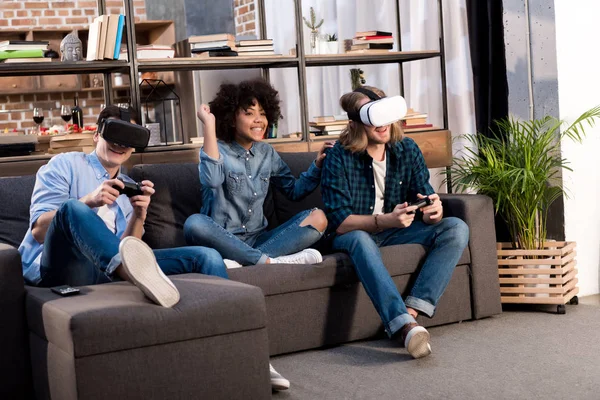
(348, 185)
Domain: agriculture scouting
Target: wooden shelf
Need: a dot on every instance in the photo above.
(323, 60)
(191, 63)
(63, 68)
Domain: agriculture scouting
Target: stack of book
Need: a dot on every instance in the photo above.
(252, 48)
(217, 45)
(19, 51)
(73, 142)
(372, 42)
(328, 125)
(105, 36)
(415, 121)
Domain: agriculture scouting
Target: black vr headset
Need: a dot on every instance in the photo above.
(123, 132)
(380, 111)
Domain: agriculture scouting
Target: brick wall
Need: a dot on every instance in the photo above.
(245, 17)
(35, 14)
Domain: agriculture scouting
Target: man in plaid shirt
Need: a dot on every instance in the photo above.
(368, 179)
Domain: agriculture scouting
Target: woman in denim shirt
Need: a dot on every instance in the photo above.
(235, 173)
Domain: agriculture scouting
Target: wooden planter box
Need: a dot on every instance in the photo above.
(549, 279)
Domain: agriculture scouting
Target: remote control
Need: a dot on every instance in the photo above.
(130, 189)
(420, 203)
(65, 290)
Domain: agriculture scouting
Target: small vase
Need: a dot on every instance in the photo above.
(314, 42)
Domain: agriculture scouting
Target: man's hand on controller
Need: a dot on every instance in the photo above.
(140, 203)
(104, 194)
(434, 212)
(400, 217)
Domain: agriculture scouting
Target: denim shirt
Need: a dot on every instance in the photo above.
(66, 176)
(349, 187)
(234, 187)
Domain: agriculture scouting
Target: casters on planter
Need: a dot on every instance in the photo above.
(574, 300)
(561, 309)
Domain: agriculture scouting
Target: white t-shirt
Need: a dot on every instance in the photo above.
(379, 171)
(109, 217)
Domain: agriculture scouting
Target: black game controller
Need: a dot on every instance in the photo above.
(130, 189)
(420, 203)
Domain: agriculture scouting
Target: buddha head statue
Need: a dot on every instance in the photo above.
(71, 48)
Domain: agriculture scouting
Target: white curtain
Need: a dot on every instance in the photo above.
(422, 83)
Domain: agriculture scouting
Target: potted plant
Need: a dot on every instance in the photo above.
(314, 30)
(329, 44)
(518, 166)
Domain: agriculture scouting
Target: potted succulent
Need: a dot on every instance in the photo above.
(518, 166)
(314, 30)
(329, 44)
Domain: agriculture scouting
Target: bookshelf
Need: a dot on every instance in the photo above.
(435, 144)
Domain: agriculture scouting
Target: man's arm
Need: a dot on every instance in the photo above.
(398, 218)
(40, 227)
(135, 226)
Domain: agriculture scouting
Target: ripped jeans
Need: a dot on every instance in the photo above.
(288, 238)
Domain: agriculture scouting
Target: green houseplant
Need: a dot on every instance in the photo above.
(518, 167)
(314, 26)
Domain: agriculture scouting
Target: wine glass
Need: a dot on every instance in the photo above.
(65, 112)
(38, 117)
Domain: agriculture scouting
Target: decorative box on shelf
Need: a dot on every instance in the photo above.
(546, 276)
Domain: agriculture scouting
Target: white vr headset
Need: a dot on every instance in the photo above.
(379, 111)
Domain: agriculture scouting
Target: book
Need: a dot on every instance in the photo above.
(21, 54)
(373, 33)
(375, 46)
(259, 42)
(212, 45)
(111, 36)
(26, 60)
(356, 41)
(119, 38)
(211, 38)
(24, 45)
(368, 51)
(93, 40)
(207, 54)
(256, 53)
(254, 48)
(221, 48)
(324, 118)
(149, 52)
(102, 38)
(374, 37)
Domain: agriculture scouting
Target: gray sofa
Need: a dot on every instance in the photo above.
(219, 329)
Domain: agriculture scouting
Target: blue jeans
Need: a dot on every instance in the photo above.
(446, 241)
(288, 238)
(80, 250)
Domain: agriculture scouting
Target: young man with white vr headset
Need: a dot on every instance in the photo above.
(376, 190)
(87, 220)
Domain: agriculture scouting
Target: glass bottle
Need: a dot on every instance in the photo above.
(77, 114)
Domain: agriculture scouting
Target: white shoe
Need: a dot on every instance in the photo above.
(306, 256)
(278, 382)
(140, 264)
(232, 264)
(417, 342)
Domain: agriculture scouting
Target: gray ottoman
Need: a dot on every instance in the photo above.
(110, 342)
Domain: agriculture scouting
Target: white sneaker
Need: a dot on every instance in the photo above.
(232, 264)
(306, 256)
(140, 264)
(278, 382)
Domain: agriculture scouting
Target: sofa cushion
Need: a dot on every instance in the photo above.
(178, 195)
(336, 269)
(15, 198)
(116, 316)
(286, 209)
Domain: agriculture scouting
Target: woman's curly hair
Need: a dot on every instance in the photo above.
(232, 97)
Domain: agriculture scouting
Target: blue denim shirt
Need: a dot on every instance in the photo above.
(234, 187)
(66, 176)
(349, 186)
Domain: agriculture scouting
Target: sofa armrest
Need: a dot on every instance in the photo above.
(15, 373)
(478, 212)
